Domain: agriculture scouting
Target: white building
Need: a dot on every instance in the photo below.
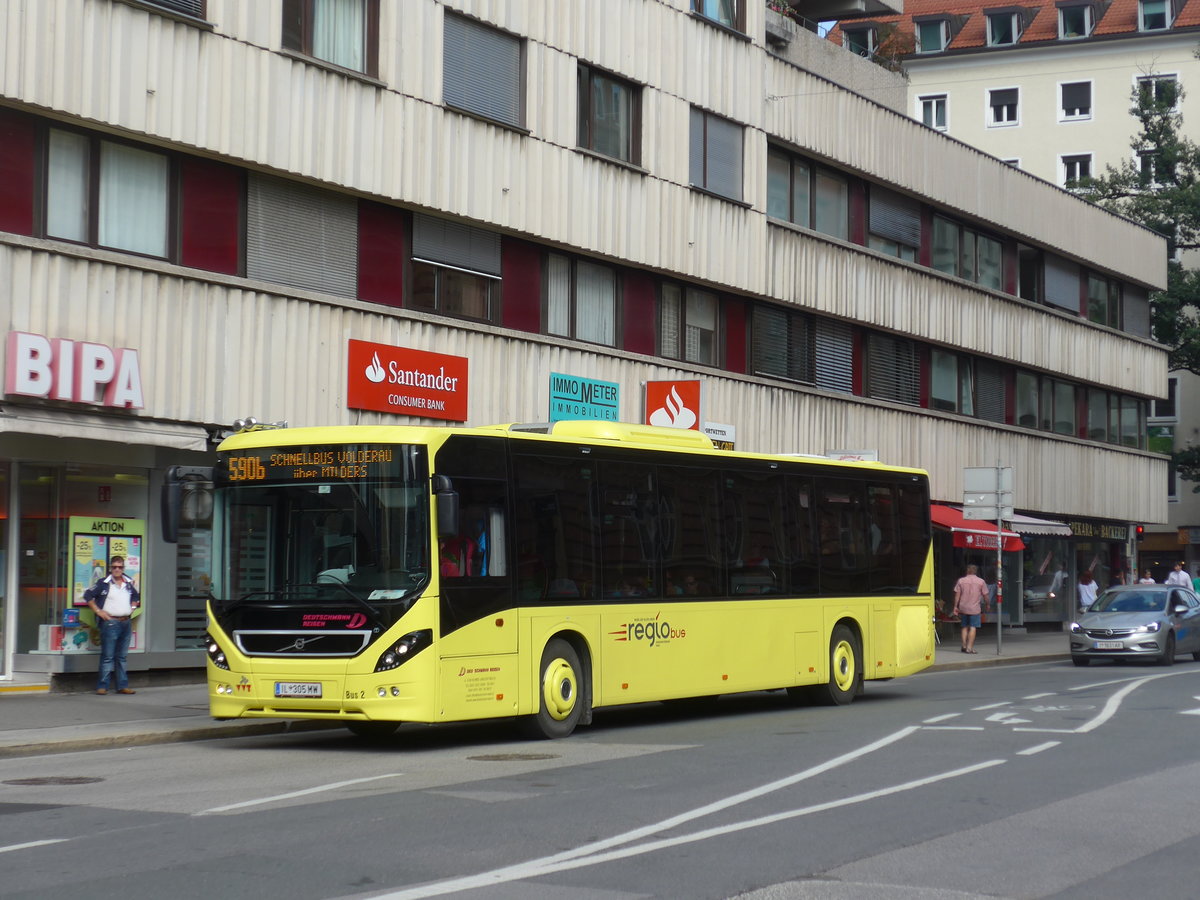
(1048, 87)
(223, 208)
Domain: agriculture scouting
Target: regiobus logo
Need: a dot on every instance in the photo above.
(654, 631)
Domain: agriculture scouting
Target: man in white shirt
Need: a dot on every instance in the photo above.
(1179, 576)
(113, 599)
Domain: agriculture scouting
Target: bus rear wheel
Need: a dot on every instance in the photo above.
(845, 669)
(561, 692)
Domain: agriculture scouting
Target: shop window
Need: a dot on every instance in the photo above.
(343, 33)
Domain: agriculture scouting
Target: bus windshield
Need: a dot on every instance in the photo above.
(293, 531)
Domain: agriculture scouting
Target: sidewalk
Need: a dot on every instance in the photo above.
(34, 721)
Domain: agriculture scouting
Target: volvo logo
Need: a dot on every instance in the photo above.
(300, 643)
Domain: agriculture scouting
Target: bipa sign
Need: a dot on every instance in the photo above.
(76, 371)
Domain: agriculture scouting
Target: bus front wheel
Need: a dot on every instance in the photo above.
(561, 692)
(845, 669)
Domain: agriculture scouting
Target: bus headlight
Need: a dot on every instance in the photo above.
(404, 649)
(215, 654)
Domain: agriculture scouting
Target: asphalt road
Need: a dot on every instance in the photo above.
(1029, 781)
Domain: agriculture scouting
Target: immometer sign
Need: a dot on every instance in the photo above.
(77, 371)
(406, 382)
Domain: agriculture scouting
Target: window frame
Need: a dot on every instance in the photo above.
(737, 21)
(1063, 114)
(867, 47)
(1155, 82)
(930, 102)
(465, 102)
(798, 344)
(1089, 21)
(966, 235)
(1015, 22)
(706, 181)
(964, 401)
(1170, 410)
(585, 121)
(943, 31)
(93, 177)
(298, 37)
(1167, 13)
(686, 313)
(1068, 160)
(1112, 308)
(572, 299)
(1012, 109)
(815, 173)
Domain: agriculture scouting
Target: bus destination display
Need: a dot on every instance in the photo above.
(310, 464)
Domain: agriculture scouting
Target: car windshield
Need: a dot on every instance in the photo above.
(1131, 601)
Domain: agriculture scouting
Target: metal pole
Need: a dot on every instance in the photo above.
(999, 551)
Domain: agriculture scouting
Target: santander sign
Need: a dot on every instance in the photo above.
(76, 371)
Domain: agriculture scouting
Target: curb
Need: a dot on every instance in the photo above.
(993, 661)
(145, 739)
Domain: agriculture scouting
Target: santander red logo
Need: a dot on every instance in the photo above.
(406, 382)
(673, 404)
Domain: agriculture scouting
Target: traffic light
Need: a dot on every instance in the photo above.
(1140, 532)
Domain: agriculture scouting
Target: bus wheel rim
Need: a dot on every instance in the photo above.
(843, 666)
(559, 689)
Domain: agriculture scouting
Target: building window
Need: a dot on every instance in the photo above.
(1046, 404)
(481, 71)
(715, 148)
(301, 236)
(581, 300)
(1030, 267)
(688, 324)
(107, 194)
(609, 115)
(860, 41)
(781, 344)
(341, 32)
(1003, 106)
(933, 36)
(1154, 15)
(727, 12)
(962, 251)
(1115, 419)
(1167, 408)
(894, 224)
(951, 382)
(1163, 90)
(807, 194)
(933, 110)
(1003, 28)
(1075, 168)
(893, 369)
(1074, 22)
(1075, 101)
(1155, 171)
(1104, 300)
(456, 268)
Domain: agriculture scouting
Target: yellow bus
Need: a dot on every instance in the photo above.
(374, 575)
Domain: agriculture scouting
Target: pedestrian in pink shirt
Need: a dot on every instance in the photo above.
(970, 592)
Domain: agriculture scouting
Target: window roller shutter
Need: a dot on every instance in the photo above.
(301, 236)
(1077, 95)
(1136, 309)
(481, 70)
(1062, 282)
(834, 344)
(455, 244)
(895, 217)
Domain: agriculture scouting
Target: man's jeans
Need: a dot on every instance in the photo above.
(114, 645)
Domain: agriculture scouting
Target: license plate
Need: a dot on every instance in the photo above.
(1109, 645)
(297, 689)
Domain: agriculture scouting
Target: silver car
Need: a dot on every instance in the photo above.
(1138, 621)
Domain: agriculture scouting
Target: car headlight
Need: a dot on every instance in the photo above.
(1075, 629)
(404, 649)
(1152, 627)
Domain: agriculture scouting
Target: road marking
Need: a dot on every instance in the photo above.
(1113, 703)
(991, 706)
(293, 794)
(32, 844)
(954, 728)
(942, 718)
(1039, 748)
(1040, 696)
(587, 855)
(1006, 718)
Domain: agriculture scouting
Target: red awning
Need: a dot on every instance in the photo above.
(973, 534)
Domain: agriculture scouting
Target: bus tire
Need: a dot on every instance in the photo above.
(845, 669)
(372, 730)
(562, 690)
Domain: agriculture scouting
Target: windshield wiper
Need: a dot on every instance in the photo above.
(280, 595)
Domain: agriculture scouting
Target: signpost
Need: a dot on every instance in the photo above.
(988, 494)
